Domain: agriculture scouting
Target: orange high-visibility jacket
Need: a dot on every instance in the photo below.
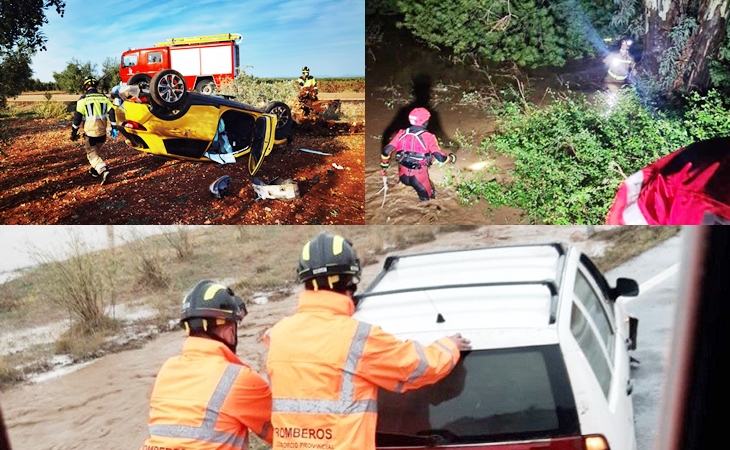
(207, 399)
(325, 368)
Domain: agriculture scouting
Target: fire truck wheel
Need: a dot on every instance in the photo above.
(168, 89)
(142, 80)
(205, 87)
(284, 121)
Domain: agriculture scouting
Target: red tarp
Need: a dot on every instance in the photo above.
(687, 187)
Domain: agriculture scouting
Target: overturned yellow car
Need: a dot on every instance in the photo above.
(168, 121)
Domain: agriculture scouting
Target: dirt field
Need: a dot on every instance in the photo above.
(104, 404)
(44, 180)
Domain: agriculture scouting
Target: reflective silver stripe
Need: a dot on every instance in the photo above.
(206, 431)
(311, 406)
(93, 117)
(420, 369)
(89, 110)
(345, 404)
(632, 214)
(265, 429)
(357, 346)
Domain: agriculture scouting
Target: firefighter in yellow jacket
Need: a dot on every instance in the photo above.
(206, 398)
(93, 108)
(325, 367)
(306, 80)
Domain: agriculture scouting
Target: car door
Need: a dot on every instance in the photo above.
(263, 141)
(608, 354)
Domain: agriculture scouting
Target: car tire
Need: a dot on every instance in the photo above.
(142, 80)
(168, 89)
(284, 120)
(163, 113)
(205, 87)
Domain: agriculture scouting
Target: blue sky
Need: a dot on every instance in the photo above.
(279, 36)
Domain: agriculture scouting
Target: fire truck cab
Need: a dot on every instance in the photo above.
(204, 61)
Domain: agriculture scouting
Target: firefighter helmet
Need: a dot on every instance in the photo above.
(419, 116)
(305, 69)
(90, 81)
(327, 254)
(211, 300)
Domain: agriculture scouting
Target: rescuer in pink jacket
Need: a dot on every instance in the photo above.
(415, 149)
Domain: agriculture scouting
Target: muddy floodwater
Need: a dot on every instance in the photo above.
(401, 74)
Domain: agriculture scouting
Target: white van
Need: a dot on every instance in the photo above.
(549, 365)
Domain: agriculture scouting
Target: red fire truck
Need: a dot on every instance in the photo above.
(204, 61)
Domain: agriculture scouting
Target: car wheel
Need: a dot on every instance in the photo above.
(284, 121)
(163, 113)
(168, 89)
(141, 80)
(205, 87)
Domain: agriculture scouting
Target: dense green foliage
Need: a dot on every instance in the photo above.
(109, 74)
(71, 79)
(571, 156)
(20, 38)
(530, 33)
(15, 72)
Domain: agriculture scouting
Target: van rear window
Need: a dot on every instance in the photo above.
(491, 396)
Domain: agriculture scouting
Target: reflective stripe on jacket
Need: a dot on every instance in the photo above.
(325, 368)
(207, 399)
(93, 109)
(310, 81)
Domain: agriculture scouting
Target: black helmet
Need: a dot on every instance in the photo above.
(327, 254)
(90, 81)
(219, 188)
(211, 300)
(305, 69)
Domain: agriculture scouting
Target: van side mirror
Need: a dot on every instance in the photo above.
(626, 287)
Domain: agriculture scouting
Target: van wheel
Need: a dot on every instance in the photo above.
(284, 121)
(205, 87)
(168, 89)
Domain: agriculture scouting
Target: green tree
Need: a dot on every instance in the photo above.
(530, 33)
(20, 38)
(109, 74)
(15, 72)
(71, 80)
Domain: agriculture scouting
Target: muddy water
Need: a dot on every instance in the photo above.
(401, 74)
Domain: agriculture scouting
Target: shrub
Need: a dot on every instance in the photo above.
(50, 110)
(78, 284)
(258, 92)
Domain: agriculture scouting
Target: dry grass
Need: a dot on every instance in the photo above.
(628, 242)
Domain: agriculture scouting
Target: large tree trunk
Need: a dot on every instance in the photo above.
(661, 16)
(692, 72)
(712, 18)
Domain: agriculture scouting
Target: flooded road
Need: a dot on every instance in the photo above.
(402, 74)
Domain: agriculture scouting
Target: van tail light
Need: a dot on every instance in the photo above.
(590, 442)
(132, 125)
(596, 442)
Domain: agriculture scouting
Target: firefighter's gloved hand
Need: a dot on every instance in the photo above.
(74, 134)
(113, 133)
(452, 158)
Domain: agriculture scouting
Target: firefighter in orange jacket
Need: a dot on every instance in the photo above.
(207, 398)
(325, 366)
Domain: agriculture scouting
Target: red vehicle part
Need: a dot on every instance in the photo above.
(204, 61)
